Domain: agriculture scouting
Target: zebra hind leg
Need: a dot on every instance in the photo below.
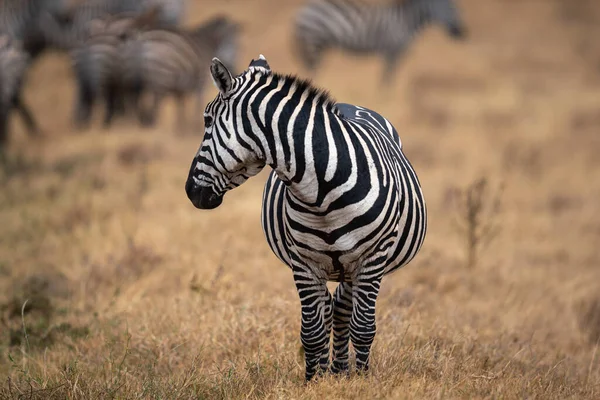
(362, 323)
(317, 313)
(342, 312)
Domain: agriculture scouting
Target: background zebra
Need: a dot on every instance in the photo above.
(163, 62)
(26, 21)
(14, 62)
(97, 63)
(71, 26)
(342, 203)
(363, 28)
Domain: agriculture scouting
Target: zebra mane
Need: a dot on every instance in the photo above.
(322, 96)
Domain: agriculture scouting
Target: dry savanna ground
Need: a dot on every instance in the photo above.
(113, 286)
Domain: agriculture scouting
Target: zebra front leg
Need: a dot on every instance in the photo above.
(3, 128)
(112, 104)
(86, 96)
(148, 116)
(27, 116)
(180, 126)
(317, 312)
(362, 323)
(342, 312)
(391, 64)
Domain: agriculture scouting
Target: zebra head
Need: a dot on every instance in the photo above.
(225, 160)
(446, 12)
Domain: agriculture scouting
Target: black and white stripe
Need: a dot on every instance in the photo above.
(385, 29)
(72, 26)
(164, 62)
(97, 63)
(14, 62)
(342, 204)
(26, 21)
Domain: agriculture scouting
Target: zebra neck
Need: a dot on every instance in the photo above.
(295, 132)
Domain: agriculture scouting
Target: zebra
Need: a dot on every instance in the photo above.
(14, 62)
(384, 29)
(342, 203)
(70, 28)
(96, 64)
(26, 21)
(167, 61)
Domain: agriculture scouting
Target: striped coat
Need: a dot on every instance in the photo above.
(97, 63)
(342, 203)
(71, 27)
(28, 21)
(384, 29)
(174, 62)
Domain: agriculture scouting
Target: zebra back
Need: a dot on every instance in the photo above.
(123, 24)
(18, 17)
(72, 27)
(177, 60)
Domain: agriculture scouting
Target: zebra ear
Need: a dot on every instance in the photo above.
(261, 65)
(221, 76)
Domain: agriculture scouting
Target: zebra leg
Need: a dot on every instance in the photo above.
(85, 103)
(362, 323)
(180, 126)
(342, 312)
(391, 63)
(4, 111)
(317, 312)
(112, 103)
(148, 116)
(26, 114)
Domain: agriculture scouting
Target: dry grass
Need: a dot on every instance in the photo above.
(113, 286)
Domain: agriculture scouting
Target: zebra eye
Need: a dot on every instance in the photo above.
(208, 120)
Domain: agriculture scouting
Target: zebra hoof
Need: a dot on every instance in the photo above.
(340, 368)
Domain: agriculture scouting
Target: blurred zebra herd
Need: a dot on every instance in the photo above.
(129, 55)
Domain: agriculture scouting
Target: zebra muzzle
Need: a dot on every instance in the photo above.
(202, 197)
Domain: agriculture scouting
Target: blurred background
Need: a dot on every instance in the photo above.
(113, 285)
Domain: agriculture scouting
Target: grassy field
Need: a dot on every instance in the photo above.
(112, 285)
